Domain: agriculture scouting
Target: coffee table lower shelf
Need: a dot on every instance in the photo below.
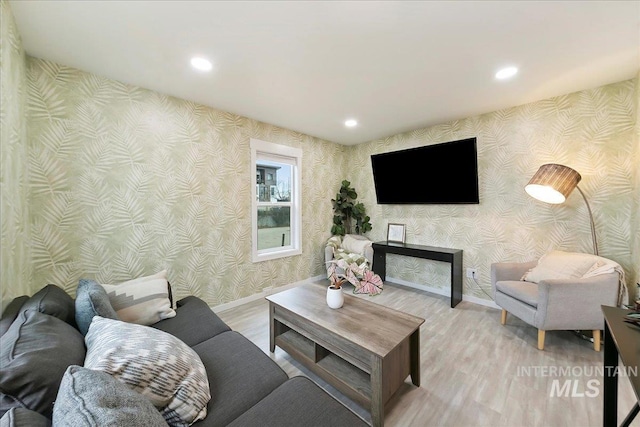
(350, 380)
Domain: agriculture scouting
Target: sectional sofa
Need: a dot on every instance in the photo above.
(40, 340)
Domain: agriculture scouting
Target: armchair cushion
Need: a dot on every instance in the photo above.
(526, 292)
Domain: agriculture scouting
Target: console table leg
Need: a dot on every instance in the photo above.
(377, 405)
(610, 394)
(380, 264)
(456, 279)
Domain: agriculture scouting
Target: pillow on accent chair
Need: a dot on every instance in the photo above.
(94, 398)
(560, 265)
(35, 352)
(92, 300)
(355, 244)
(153, 363)
(144, 300)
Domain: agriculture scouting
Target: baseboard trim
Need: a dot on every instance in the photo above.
(443, 291)
(270, 291)
(264, 293)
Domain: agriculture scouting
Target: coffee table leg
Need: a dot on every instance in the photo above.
(414, 354)
(272, 329)
(377, 405)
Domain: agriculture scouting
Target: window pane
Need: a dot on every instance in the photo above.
(274, 227)
(275, 213)
(273, 182)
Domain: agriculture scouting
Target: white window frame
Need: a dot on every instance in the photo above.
(262, 150)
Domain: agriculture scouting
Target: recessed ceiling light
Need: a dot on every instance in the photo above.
(351, 123)
(201, 64)
(507, 72)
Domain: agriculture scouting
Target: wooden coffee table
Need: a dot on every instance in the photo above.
(363, 349)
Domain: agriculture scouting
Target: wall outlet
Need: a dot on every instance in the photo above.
(472, 273)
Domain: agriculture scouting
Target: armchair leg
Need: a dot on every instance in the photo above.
(596, 339)
(540, 339)
(503, 317)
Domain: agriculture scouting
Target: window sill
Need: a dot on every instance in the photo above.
(275, 255)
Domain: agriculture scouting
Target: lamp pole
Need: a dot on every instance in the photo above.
(593, 227)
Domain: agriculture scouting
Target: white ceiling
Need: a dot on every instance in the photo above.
(309, 65)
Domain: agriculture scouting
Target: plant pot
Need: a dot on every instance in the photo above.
(335, 297)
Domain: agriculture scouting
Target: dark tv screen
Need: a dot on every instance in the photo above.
(445, 173)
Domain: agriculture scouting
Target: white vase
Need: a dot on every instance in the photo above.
(335, 297)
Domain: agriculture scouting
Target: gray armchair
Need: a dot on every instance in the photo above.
(553, 304)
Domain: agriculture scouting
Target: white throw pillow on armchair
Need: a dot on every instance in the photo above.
(355, 245)
(561, 265)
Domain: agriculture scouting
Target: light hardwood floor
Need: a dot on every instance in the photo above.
(474, 371)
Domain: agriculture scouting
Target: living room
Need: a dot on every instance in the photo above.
(113, 180)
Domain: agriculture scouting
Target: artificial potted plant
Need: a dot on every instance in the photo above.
(349, 216)
(335, 297)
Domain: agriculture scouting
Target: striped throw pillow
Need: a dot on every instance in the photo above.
(144, 300)
(153, 363)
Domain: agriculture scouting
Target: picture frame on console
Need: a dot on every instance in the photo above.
(395, 233)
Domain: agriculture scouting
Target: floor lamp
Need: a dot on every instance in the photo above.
(553, 183)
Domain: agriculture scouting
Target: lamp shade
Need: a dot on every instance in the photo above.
(553, 183)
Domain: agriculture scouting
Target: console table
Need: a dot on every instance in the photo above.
(620, 340)
(452, 256)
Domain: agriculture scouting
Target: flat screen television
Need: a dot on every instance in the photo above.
(445, 173)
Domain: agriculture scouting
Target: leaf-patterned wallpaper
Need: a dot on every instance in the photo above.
(117, 181)
(15, 269)
(593, 131)
(635, 219)
(126, 181)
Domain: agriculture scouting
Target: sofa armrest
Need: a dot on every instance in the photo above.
(575, 303)
(328, 255)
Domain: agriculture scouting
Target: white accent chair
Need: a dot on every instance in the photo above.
(359, 249)
(558, 304)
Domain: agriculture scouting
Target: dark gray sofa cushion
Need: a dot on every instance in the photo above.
(34, 354)
(21, 417)
(11, 312)
(194, 322)
(54, 301)
(92, 300)
(240, 375)
(94, 398)
(298, 402)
